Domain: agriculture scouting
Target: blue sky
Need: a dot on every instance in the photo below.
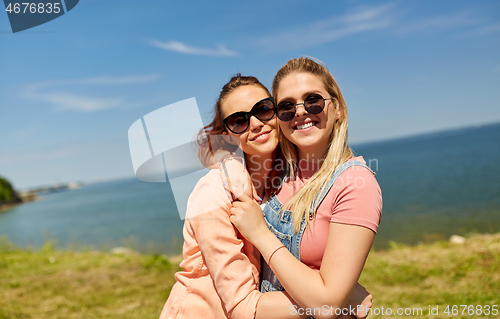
(71, 88)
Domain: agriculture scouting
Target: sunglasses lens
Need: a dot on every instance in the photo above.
(237, 123)
(264, 111)
(286, 111)
(314, 104)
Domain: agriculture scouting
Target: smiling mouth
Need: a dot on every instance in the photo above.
(260, 136)
(304, 126)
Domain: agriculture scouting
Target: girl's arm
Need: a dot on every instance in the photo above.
(277, 304)
(345, 254)
(228, 260)
(232, 272)
(343, 261)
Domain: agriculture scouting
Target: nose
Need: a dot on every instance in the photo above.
(255, 123)
(300, 109)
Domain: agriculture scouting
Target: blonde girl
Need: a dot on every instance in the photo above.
(320, 225)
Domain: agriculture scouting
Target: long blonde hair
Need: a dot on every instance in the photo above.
(337, 153)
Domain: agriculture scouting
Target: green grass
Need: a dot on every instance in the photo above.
(62, 284)
(437, 274)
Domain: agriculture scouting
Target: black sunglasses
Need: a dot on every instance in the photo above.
(313, 103)
(239, 122)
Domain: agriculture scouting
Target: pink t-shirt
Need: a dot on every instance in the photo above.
(354, 199)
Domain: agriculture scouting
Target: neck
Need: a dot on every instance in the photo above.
(314, 154)
(259, 167)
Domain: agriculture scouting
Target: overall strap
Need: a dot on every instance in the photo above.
(332, 180)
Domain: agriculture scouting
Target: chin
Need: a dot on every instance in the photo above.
(262, 151)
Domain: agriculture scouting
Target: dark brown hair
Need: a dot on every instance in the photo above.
(208, 146)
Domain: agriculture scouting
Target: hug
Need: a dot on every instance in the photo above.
(298, 236)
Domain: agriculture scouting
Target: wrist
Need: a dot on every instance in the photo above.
(259, 234)
(267, 243)
(272, 254)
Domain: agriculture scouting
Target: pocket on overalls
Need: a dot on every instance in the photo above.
(284, 238)
(269, 280)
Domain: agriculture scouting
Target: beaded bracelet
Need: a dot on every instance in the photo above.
(269, 262)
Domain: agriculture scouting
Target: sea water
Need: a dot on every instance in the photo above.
(433, 186)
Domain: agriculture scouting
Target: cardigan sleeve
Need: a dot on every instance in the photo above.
(234, 276)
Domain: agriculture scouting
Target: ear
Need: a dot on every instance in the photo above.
(338, 114)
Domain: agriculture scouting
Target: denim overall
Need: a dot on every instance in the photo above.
(281, 225)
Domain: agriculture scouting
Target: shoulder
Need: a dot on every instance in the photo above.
(356, 176)
(211, 181)
(208, 194)
(356, 197)
(356, 183)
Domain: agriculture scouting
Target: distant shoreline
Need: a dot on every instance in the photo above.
(424, 135)
(355, 145)
(6, 207)
(24, 199)
(32, 195)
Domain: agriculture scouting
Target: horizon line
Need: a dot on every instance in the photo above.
(356, 144)
(432, 132)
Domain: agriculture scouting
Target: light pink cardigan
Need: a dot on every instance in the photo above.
(221, 269)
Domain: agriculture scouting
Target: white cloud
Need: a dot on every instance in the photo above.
(491, 28)
(27, 156)
(69, 101)
(456, 20)
(50, 92)
(118, 80)
(97, 80)
(25, 133)
(179, 47)
(484, 30)
(360, 20)
(390, 17)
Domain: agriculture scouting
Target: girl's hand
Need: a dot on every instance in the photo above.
(361, 300)
(235, 177)
(247, 216)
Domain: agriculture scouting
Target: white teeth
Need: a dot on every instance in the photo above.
(303, 126)
(261, 136)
